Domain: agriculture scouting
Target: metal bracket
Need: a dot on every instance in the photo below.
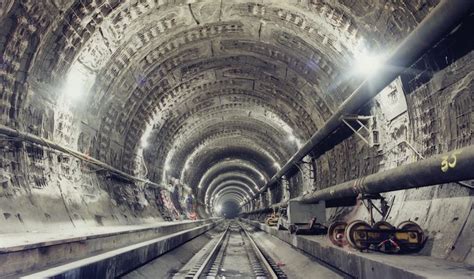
(285, 183)
(373, 139)
(298, 167)
(409, 146)
(384, 209)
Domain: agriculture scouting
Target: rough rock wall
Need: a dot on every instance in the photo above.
(39, 188)
(440, 106)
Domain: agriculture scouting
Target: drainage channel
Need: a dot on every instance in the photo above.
(235, 254)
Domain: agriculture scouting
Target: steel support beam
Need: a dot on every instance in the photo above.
(444, 17)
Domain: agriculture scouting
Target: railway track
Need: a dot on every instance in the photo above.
(234, 254)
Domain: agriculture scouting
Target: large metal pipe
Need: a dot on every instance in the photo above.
(15, 134)
(444, 17)
(454, 166)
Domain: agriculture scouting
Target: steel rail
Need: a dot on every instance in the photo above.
(211, 257)
(260, 255)
(207, 262)
(444, 17)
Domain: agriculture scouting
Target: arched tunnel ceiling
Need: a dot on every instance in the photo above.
(214, 88)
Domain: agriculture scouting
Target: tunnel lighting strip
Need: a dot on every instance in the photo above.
(444, 17)
(23, 136)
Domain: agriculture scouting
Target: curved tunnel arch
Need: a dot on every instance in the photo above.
(229, 176)
(243, 56)
(239, 165)
(143, 66)
(127, 118)
(263, 162)
(231, 183)
(261, 129)
(229, 191)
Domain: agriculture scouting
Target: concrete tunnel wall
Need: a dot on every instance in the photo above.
(166, 89)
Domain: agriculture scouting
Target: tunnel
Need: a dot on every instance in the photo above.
(236, 138)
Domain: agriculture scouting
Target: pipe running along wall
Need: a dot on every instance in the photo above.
(18, 135)
(440, 21)
(453, 166)
(449, 167)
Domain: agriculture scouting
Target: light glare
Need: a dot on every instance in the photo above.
(78, 83)
(146, 136)
(367, 65)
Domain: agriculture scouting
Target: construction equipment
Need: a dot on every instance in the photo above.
(336, 233)
(283, 219)
(302, 218)
(310, 228)
(272, 219)
(380, 236)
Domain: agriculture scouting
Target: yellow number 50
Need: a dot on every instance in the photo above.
(449, 162)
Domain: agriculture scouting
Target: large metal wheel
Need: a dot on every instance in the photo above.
(336, 233)
(357, 234)
(417, 239)
(387, 244)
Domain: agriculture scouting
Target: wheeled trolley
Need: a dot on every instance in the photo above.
(407, 237)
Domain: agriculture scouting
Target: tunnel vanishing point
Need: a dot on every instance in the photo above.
(236, 138)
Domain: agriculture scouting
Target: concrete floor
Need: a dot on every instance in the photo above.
(293, 262)
(170, 263)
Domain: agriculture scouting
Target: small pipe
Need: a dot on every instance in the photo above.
(13, 133)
